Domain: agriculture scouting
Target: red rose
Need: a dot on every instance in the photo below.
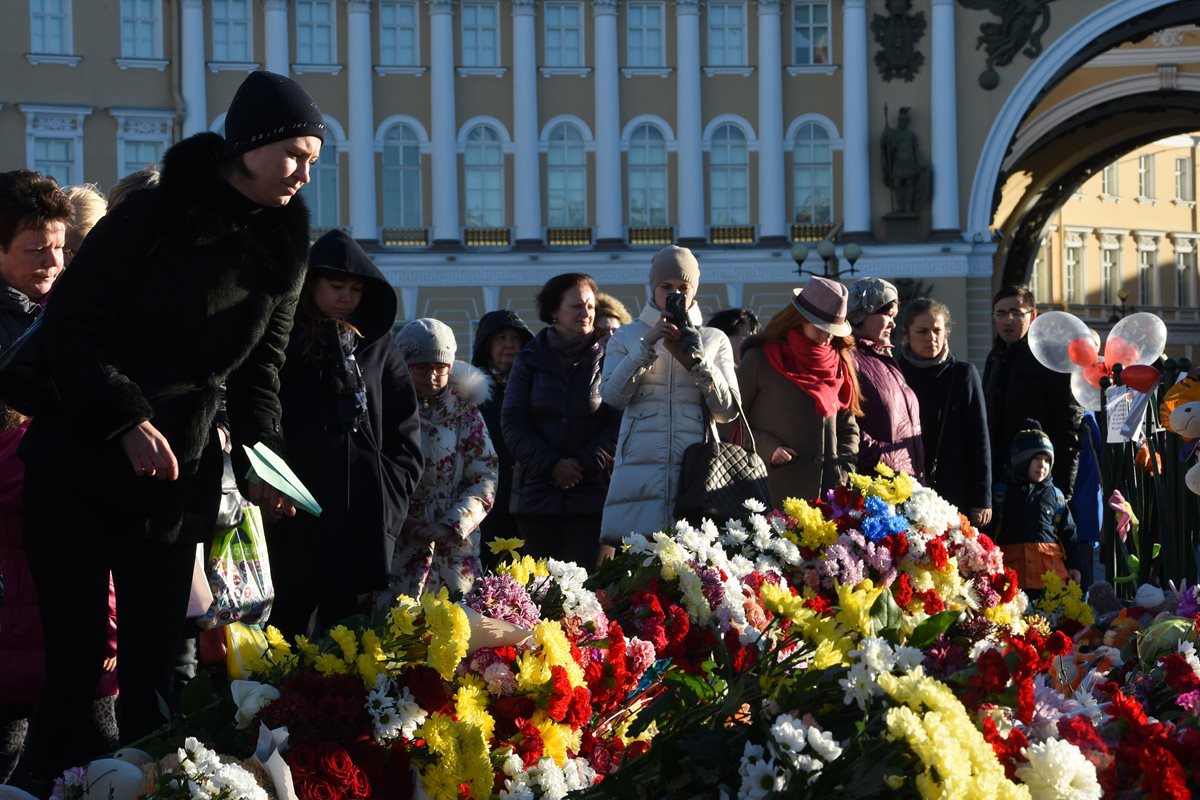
(302, 760)
(335, 762)
(318, 789)
(360, 786)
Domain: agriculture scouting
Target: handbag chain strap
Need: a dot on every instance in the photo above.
(747, 434)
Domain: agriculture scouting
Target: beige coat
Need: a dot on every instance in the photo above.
(664, 413)
(782, 415)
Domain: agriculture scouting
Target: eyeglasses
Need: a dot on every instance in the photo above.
(431, 369)
(1016, 313)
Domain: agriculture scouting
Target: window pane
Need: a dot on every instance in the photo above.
(55, 157)
(810, 33)
(812, 176)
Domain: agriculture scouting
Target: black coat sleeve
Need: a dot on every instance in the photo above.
(599, 453)
(977, 440)
(529, 447)
(403, 462)
(1065, 432)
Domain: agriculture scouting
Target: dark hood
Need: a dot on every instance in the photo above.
(337, 255)
(492, 323)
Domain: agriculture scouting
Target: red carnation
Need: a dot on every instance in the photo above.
(936, 550)
(1059, 644)
(897, 545)
(528, 743)
(581, 707)
(1079, 731)
(559, 701)
(1179, 673)
(428, 689)
(903, 590)
(1008, 751)
(635, 749)
(1025, 701)
(508, 710)
(993, 672)
(819, 603)
(933, 602)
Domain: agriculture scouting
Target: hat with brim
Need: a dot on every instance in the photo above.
(823, 303)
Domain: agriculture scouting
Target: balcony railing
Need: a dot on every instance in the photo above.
(487, 237)
(731, 234)
(405, 237)
(569, 237)
(651, 235)
(811, 233)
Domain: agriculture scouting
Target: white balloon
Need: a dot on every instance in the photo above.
(1144, 331)
(113, 779)
(13, 793)
(1087, 395)
(1051, 334)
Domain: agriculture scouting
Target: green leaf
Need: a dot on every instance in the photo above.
(932, 628)
(1154, 550)
(886, 616)
(1133, 561)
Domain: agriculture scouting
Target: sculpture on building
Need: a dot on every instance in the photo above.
(902, 167)
(898, 34)
(1020, 29)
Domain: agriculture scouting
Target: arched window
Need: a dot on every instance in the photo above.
(729, 176)
(484, 178)
(321, 193)
(647, 176)
(812, 176)
(401, 178)
(566, 178)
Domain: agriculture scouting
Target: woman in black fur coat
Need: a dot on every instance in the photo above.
(184, 288)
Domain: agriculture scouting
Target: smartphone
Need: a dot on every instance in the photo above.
(676, 311)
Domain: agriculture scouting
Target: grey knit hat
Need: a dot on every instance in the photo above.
(427, 341)
(674, 263)
(868, 296)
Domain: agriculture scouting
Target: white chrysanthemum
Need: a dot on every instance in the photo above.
(516, 789)
(753, 506)
(759, 776)
(379, 698)
(859, 684)
(1057, 770)
(388, 725)
(513, 765)
(789, 733)
(239, 783)
(925, 509)
(981, 647)
(410, 714)
(550, 779)
(638, 544)
(823, 744)
(693, 595)
(578, 774)
(875, 653)
(740, 566)
(905, 658)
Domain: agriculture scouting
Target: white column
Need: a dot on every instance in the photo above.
(772, 204)
(528, 181)
(944, 142)
(689, 156)
(275, 34)
(856, 163)
(362, 122)
(443, 127)
(191, 67)
(607, 123)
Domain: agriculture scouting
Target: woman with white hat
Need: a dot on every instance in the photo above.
(673, 378)
(800, 393)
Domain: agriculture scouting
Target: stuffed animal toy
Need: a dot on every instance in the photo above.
(1180, 412)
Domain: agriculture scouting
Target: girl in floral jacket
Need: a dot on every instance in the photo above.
(440, 543)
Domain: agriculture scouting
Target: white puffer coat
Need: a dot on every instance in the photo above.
(663, 415)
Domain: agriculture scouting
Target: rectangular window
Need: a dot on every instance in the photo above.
(1040, 275)
(1185, 189)
(1146, 176)
(56, 158)
(645, 33)
(564, 35)
(1185, 268)
(398, 34)
(315, 32)
(480, 35)
(50, 26)
(1072, 269)
(140, 154)
(1108, 181)
(1110, 274)
(1146, 277)
(401, 178)
(231, 39)
(726, 34)
(141, 28)
(810, 33)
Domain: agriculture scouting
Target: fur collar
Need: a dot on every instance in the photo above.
(468, 388)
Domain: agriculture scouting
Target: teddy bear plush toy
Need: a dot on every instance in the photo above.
(1180, 412)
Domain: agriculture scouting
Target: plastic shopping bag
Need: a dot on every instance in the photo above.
(244, 648)
(239, 575)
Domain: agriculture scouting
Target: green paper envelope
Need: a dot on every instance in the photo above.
(272, 470)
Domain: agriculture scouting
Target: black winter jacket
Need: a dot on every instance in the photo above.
(17, 312)
(955, 428)
(1017, 388)
(363, 477)
(1028, 512)
(553, 410)
(181, 289)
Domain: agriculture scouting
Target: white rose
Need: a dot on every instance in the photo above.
(251, 697)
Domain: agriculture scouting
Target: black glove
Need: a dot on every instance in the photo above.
(689, 350)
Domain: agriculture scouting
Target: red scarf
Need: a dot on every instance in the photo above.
(815, 368)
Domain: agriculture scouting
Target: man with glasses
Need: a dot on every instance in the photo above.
(1017, 387)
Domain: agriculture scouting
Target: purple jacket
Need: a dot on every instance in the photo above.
(890, 428)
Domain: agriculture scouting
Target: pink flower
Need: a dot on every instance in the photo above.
(641, 655)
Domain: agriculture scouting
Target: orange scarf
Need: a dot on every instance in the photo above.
(816, 369)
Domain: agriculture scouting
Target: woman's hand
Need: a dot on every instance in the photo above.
(149, 452)
(566, 474)
(663, 329)
(274, 504)
(1075, 575)
(782, 455)
(980, 516)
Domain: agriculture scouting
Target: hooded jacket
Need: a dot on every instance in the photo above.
(457, 488)
(499, 522)
(181, 289)
(667, 408)
(363, 476)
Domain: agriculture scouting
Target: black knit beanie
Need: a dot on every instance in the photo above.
(267, 108)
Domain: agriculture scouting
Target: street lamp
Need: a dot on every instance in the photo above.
(828, 253)
(1119, 312)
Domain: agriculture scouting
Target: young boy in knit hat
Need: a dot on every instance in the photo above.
(1032, 523)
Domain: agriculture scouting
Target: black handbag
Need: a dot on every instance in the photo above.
(25, 383)
(716, 478)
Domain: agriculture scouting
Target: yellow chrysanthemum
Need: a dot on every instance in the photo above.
(519, 569)
(449, 632)
(367, 668)
(470, 705)
(555, 737)
(276, 641)
(854, 606)
(307, 648)
(556, 649)
(532, 671)
(344, 638)
(404, 616)
(510, 546)
(816, 532)
(1001, 615)
(329, 664)
(780, 601)
(440, 778)
(475, 760)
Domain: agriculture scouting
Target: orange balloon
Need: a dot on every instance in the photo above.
(1140, 377)
(1082, 352)
(1119, 351)
(1092, 374)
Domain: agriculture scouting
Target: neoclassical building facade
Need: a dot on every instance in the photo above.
(478, 147)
